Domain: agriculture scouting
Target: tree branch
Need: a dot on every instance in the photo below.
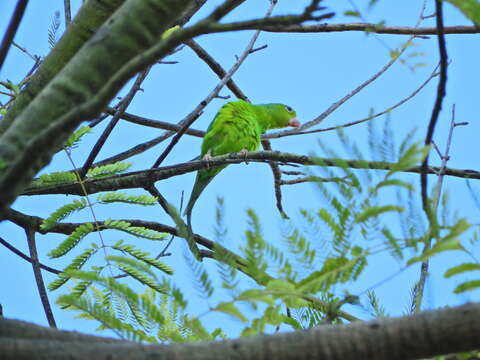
(437, 108)
(12, 29)
(222, 11)
(143, 178)
(25, 257)
(38, 276)
(216, 67)
(124, 103)
(424, 335)
(374, 28)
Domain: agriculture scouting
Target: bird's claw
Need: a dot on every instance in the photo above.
(207, 157)
(244, 153)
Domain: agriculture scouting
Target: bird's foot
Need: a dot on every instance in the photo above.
(208, 156)
(244, 153)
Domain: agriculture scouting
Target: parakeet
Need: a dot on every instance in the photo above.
(237, 128)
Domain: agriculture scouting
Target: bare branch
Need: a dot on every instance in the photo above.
(389, 109)
(25, 257)
(12, 29)
(428, 140)
(216, 67)
(277, 180)
(142, 179)
(106, 133)
(68, 12)
(374, 28)
(38, 276)
(192, 116)
(340, 102)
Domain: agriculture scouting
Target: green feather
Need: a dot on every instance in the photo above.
(237, 126)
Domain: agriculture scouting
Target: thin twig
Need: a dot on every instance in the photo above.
(371, 28)
(216, 67)
(343, 100)
(277, 180)
(386, 111)
(68, 13)
(30, 232)
(12, 29)
(310, 179)
(428, 140)
(154, 123)
(27, 258)
(24, 50)
(121, 108)
(445, 158)
(137, 149)
(160, 198)
(191, 117)
(164, 250)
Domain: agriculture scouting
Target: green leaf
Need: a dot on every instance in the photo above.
(74, 139)
(375, 211)
(59, 177)
(71, 241)
(278, 284)
(467, 286)
(76, 264)
(469, 8)
(410, 158)
(352, 13)
(395, 182)
(461, 269)
(142, 256)
(138, 231)
(62, 212)
(449, 245)
(108, 170)
(112, 197)
(256, 295)
(230, 309)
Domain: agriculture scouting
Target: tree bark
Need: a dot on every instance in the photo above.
(82, 89)
(427, 334)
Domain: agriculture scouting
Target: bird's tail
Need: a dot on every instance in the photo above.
(201, 183)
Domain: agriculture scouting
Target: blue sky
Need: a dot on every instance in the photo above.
(307, 71)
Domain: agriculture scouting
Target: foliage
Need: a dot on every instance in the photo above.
(314, 264)
(302, 278)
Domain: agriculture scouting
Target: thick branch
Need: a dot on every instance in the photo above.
(142, 179)
(83, 87)
(424, 335)
(89, 18)
(260, 277)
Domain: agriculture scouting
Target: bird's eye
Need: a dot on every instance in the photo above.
(289, 109)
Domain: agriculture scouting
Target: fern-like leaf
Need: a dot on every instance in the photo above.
(138, 231)
(55, 178)
(108, 170)
(75, 138)
(71, 241)
(62, 212)
(112, 197)
(76, 264)
(53, 30)
(143, 256)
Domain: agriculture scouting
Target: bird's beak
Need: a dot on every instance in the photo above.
(294, 122)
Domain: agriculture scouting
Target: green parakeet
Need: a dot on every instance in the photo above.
(237, 128)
